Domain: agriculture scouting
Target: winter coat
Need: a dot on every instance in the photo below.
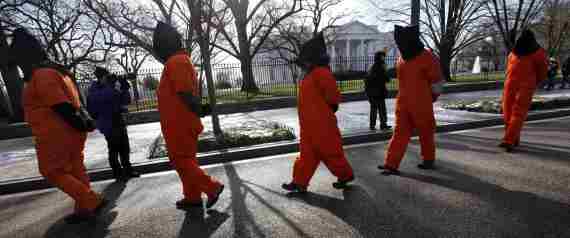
(106, 104)
(375, 82)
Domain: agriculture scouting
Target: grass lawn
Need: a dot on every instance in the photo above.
(235, 95)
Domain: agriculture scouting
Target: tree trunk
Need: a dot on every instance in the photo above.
(248, 81)
(14, 84)
(445, 62)
(207, 64)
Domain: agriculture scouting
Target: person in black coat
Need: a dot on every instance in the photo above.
(375, 87)
(565, 73)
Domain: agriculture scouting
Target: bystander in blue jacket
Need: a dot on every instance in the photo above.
(107, 102)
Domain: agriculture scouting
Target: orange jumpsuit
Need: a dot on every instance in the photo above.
(320, 136)
(181, 127)
(59, 147)
(414, 108)
(523, 75)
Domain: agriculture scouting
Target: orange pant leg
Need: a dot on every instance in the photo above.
(84, 197)
(305, 165)
(190, 188)
(78, 162)
(519, 115)
(333, 157)
(400, 139)
(426, 130)
(194, 179)
(509, 96)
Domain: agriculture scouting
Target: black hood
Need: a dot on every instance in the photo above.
(408, 41)
(26, 50)
(314, 52)
(526, 44)
(166, 41)
(101, 72)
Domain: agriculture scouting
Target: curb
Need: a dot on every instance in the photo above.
(239, 154)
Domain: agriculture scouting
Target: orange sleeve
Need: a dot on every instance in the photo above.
(433, 69)
(51, 88)
(541, 65)
(327, 83)
(184, 76)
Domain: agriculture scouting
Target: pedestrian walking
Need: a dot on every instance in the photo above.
(318, 102)
(565, 74)
(59, 124)
(108, 103)
(527, 68)
(375, 87)
(180, 111)
(419, 85)
(552, 73)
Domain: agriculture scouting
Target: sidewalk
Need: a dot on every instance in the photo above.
(477, 191)
(17, 156)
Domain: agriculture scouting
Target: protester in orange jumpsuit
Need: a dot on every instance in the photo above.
(51, 102)
(318, 101)
(527, 67)
(419, 85)
(180, 110)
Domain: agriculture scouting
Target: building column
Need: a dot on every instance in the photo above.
(347, 48)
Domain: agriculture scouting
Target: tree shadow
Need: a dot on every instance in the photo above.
(243, 218)
(201, 223)
(541, 216)
(96, 228)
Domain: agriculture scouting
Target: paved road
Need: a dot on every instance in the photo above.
(18, 159)
(477, 191)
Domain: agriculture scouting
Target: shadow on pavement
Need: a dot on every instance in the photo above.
(198, 224)
(243, 220)
(540, 216)
(98, 227)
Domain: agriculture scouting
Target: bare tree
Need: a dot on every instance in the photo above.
(511, 16)
(448, 27)
(253, 24)
(284, 45)
(555, 25)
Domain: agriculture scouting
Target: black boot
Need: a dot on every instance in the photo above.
(385, 127)
(294, 188)
(214, 200)
(342, 184)
(131, 173)
(388, 170)
(427, 164)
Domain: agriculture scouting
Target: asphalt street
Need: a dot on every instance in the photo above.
(477, 191)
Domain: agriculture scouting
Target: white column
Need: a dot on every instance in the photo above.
(363, 53)
(347, 48)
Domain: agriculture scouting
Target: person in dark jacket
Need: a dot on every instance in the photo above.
(565, 73)
(107, 105)
(375, 87)
(552, 73)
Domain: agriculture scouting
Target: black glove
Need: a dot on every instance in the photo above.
(205, 110)
(78, 119)
(334, 107)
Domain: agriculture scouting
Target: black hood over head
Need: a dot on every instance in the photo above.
(408, 41)
(100, 72)
(314, 52)
(25, 50)
(166, 41)
(526, 44)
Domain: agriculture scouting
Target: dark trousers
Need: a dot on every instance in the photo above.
(118, 146)
(565, 81)
(378, 108)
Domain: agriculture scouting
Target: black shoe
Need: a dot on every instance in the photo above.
(372, 128)
(342, 184)
(388, 170)
(86, 216)
(508, 147)
(427, 164)
(214, 200)
(132, 174)
(294, 188)
(385, 127)
(503, 145)
(185, 204)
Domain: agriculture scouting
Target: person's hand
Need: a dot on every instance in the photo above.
(434, 97)
(205, 110)
(334, 107)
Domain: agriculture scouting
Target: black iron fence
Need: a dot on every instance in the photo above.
(279, 79)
